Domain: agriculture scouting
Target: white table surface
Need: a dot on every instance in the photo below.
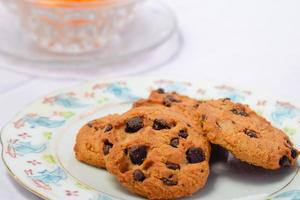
(254, 43)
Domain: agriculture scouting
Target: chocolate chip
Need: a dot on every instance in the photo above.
(168, 182)
(195, 155)
(294, 153)
(90, 124)
(160, 91)
(239, 112)
(108, 128)
(289, 143)
(196, 105)
(218, 125)
(160, 124)
(183, 134)
(226, 99)
(125, 151)
(137, 154)
(203, 117)
(134, 124)
(173, 166)
(167, 103)
(250, 133)
(169, 99)
(174, 142)
(284, 161)
(107, 146)
(138, 175)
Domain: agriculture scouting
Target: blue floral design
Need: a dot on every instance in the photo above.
(174, 87)
(289, 195)
(50, 177)
(35, 121)
(120, 91)
(102, 197)
(234, 95)
(17, 148)
(68, 101)
(283, 112)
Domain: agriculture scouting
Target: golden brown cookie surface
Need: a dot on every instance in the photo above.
(248, 136)
(160, 154)
(235, 127)
(94, 141)
(179, 103)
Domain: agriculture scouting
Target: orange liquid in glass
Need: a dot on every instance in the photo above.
(74, 3)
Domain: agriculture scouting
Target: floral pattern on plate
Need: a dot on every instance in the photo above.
(27, 139)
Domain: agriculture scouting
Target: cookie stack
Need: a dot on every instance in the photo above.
(161, 148)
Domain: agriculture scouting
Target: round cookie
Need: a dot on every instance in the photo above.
(233, 126)
(94, 141)
(248, 136)
(160, 154)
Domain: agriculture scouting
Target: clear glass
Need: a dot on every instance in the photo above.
(147, 41)
(70, 26)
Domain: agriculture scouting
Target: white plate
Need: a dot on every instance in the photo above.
(38, 142)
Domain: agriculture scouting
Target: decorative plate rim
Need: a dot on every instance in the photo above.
(103, 80)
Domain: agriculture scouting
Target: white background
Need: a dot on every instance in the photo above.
(254, 43)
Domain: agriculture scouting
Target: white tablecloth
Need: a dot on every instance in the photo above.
(255, 44)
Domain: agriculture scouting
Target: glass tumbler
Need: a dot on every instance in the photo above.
(74, 26)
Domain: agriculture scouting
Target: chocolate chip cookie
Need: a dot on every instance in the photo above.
(233, 126)
(248, 136)
(160, 154)
(95, 140)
